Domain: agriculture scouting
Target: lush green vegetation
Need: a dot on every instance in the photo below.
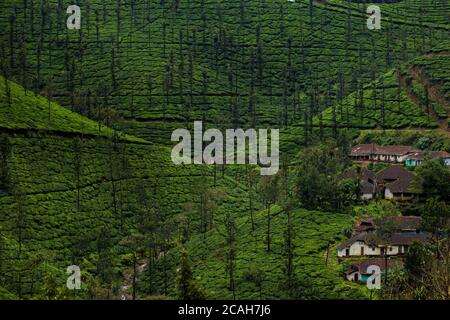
(235, 63)
(313, 232)
(86, 116)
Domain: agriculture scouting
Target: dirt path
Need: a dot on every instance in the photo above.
(407, 86)
(126, 289)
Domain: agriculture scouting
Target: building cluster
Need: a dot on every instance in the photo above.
(391, 183)
(395, 182)
(409, 156)
(369, 246)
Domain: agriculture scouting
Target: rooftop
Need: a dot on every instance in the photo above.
(372, 239)
(422, 155)
(364, 149)
(394, 173)
(405, 185)
(396, 150)
(362, 265)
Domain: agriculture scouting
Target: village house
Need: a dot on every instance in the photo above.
(370, 248)
(392, 174)
(391, 183)
(364, 152)
(369, 244)
(374, 152)
(398, 183)
(396, 154)
(367, 190)
(415, 159)
(366, 242)
(367, 181)
(403, 189)
(358, 270)
(403, 224)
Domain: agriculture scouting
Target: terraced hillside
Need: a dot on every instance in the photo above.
(432, 72)
(313, 232)
(66, 189)
(69, 195)
(231, 63)
(86, 116)
(428, 13)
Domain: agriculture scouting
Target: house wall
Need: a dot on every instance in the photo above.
(388, 194)
(367, 196)
(402, 158)
(392, 158)
(397, 196)
(351, 276)
(393, 250)
(411, 163)
(355, 250)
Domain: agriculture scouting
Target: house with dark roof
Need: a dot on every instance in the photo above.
(367, 181)
(415, 159)
(364, 152)
(392, 174)
(376, 251)
(361, 270)
(395, 153)
(403, 189)
(398, 183)
(369, 244)
(404, 224)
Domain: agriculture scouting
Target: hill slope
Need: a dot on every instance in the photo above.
(63, 196)
(233, 63)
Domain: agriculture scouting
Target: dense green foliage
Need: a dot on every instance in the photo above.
(86, 116)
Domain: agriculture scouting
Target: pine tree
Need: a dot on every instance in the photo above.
(78, 154)
(230, 252)
(288, 250)
(269, 193)
(134, 245)
(186, 287)
(5, 73)
(5, 150)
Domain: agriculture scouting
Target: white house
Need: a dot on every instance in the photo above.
(371, 245)
(375, 152)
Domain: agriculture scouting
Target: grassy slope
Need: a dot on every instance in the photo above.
(410, 11)
(322, 46)
(42, 168)
(379, 104)
(27, 111)
(313, 231)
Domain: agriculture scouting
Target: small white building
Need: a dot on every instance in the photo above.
(370, 245)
